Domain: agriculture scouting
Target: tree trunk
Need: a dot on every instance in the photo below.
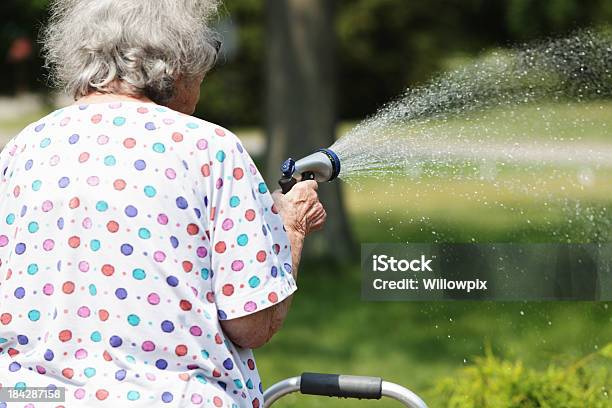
(301, 104)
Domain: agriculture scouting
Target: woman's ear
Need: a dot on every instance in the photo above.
(186, 94)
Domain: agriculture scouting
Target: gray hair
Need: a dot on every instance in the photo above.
(136, 47)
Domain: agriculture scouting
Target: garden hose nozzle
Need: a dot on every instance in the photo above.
(322, 165)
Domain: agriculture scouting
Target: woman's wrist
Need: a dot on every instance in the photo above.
(296, 239)
(295, 233)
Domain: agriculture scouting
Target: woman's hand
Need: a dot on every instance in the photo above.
(300, 208)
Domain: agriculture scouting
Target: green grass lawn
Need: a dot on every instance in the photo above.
(418, 343)
(565, 121)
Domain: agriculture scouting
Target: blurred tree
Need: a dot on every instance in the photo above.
(19, 54)
(19, 24)
(529, 19)
(233, 92)
(301, 103)
(386, 45)
(383, 46)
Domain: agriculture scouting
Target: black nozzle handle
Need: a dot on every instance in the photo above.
(346, 386)
(286, 183)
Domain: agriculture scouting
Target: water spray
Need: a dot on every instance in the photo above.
(321, 166)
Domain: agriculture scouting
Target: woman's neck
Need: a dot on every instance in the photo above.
(99, 97)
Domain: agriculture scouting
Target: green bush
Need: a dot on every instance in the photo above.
(492, 382)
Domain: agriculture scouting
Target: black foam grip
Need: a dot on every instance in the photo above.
(346, 386)
(286, 184)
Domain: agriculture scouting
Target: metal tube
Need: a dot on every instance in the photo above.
(389, 389)
(280, 389)
(402, 394)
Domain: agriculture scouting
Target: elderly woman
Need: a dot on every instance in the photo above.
(142, 256)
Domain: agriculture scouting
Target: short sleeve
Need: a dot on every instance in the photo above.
(251, 253)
